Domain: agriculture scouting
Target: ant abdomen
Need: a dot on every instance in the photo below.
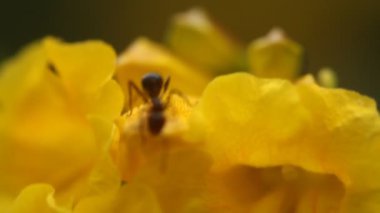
(156, 121)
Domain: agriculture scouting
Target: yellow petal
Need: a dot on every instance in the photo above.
(330, 137)
(271, 203)
(175, 179)
(130, 198)
(366, 202)
(107, 193)
(107, 102)
(84, 66)
(36, 198)
(275, 56)
(144, 56)
(86, 69)
(196, 38)
(136, 198)
(253, 111)
(18, 76)
(103, 186)
(345, 127)
(45, 136)
(56, 142)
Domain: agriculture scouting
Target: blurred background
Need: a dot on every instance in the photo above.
(341, 34)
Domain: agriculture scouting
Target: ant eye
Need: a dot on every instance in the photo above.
(152, 84)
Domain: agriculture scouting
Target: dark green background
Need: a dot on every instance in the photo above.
(344, 35)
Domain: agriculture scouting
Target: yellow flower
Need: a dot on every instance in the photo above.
(240, 144)
(279, 147)
(251, 145)
(58, 104)
(254, 145)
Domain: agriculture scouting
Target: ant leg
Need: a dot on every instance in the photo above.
(166, 84)
(180, 94)
(132, 86)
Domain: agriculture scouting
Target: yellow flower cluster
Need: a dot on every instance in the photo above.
(70, 143)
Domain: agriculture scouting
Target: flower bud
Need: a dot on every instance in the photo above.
(327, 78)
(197, 39)
(275, 56)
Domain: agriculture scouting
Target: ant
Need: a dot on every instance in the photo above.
(153, 85)
(153, 88)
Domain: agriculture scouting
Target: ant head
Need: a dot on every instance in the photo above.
(152, 84)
